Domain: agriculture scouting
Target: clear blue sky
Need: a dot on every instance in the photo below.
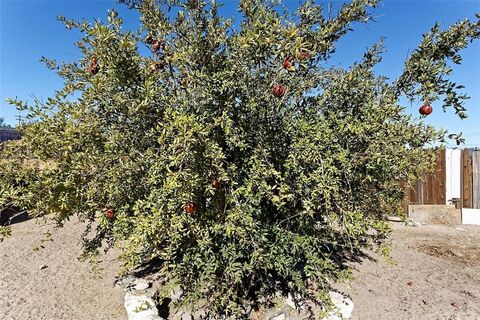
(29, 30)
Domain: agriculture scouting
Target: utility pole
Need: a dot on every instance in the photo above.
(19, 118)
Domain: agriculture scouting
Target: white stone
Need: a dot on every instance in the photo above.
(412, 223)
(186, 316)
(291, 302)
(43, 266)
(140, 284)
(125, 281)
(394, 219)
(140, 307)
(280, 316)
(176, 293)
(343, 307)
(199, 314)
(182, 314)
(132, 283)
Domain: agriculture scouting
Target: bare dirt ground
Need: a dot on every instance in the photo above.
(66, 289)
(436, 275)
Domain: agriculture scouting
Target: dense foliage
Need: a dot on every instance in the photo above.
(231, 154)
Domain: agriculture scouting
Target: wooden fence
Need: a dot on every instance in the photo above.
(433, 188)
(471, 178)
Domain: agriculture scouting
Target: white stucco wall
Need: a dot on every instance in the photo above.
(453, 174)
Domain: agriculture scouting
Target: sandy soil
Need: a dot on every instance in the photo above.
(436, 275)
(66, 289)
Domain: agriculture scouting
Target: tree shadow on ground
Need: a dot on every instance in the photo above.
(150, 267)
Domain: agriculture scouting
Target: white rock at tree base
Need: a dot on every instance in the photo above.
(344, 307)
(291, 302)
(394, 219)
(140, 284)
(186, 316)
(125, 281)
(141, 307)
(280, 316)
(176, 293)
(132, 283)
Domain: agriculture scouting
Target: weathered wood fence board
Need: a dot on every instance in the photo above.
(467, 179)
(476, 179)
(431, 189)
(437, 188)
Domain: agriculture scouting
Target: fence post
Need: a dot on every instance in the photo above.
(467, 175)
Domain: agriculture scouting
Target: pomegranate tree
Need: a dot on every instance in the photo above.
(230, 153)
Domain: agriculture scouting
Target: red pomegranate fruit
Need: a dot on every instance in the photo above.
(191, 208)
(215, 183)
(110, 213)
(158, 65)
(304, 54)
(157, 45)
(278, 90)
(426, 109)
(94, 67)
(288, 63)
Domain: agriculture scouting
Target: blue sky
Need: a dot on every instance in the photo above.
(29, 30)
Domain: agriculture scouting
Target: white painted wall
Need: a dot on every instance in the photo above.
(471, 216)
(453, 173)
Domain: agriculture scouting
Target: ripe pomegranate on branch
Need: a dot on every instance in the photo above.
(425, 109)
